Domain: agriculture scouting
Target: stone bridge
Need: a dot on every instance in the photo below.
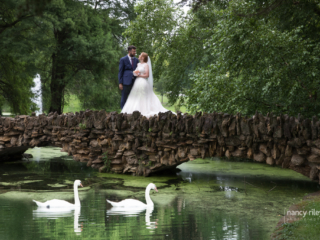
(132, 143)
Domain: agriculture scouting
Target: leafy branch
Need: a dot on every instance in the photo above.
(106, 160)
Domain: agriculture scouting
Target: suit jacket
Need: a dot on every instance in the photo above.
(125, 75)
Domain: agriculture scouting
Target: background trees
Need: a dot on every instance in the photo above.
(16, 56)
(79, 56)
(230, 56)
(266, 59)
(74, 45)
(236, 56)
(173, 40)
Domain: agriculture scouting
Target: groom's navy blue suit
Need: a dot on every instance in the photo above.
(126, 77)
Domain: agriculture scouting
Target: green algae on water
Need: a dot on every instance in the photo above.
(41, 196)
(56, 185)
(47, 153)
(138, 181)
(219, 199)
(218, 166)
(19, 182)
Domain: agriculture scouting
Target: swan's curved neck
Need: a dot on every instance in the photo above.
(76, 195)
(148, 199)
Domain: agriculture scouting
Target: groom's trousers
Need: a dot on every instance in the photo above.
(125, 93)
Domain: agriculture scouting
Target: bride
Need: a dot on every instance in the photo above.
(142, 98)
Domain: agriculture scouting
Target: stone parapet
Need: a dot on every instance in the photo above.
(131, 143)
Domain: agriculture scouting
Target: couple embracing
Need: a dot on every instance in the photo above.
(136, 84)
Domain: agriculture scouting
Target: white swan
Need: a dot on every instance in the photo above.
(133, 203)
(56, 203)
(129, 212)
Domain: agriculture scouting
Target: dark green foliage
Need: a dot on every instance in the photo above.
(75, 46)
(160, 87)
(235, 56)
(107, 161)
(80, 54)
(16, 57)
(266, 60)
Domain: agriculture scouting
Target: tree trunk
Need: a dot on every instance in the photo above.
(56, 96)
(57, 86)
(58, 71)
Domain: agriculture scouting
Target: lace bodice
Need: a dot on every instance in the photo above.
(141, 67)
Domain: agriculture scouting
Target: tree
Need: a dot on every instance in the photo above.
(74, 45)
(121, 12)
(17, 68)
(266, 59)
(235, 56)
(79, 52)
(174, 41)
(160, 87)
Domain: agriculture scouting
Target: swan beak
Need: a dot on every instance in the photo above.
(156, 189)
(81, 184)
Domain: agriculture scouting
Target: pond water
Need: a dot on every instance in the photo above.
(208, 199)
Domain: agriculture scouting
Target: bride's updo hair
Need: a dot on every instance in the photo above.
(144, 56)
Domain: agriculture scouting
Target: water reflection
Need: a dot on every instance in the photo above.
(76, 227)
(185, 176)
(134, 212)
(150, 225)
(195, 205)
(50, 213)
(60, 213)
(128, 212)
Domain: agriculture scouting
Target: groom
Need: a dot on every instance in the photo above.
(126, 79)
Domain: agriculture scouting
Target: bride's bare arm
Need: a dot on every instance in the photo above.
(146, 74)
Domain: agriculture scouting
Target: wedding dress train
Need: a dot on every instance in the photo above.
(142, 98)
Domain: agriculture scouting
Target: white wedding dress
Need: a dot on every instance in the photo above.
(142, 98)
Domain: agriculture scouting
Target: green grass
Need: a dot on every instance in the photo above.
(75, 106)
(172, 108)
(307, 227)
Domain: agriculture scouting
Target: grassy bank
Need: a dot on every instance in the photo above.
(173, 108)
(74, 105)
(306, 226)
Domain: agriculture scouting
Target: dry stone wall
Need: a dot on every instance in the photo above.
(131, 143)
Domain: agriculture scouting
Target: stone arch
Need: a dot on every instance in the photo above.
(131, 143)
